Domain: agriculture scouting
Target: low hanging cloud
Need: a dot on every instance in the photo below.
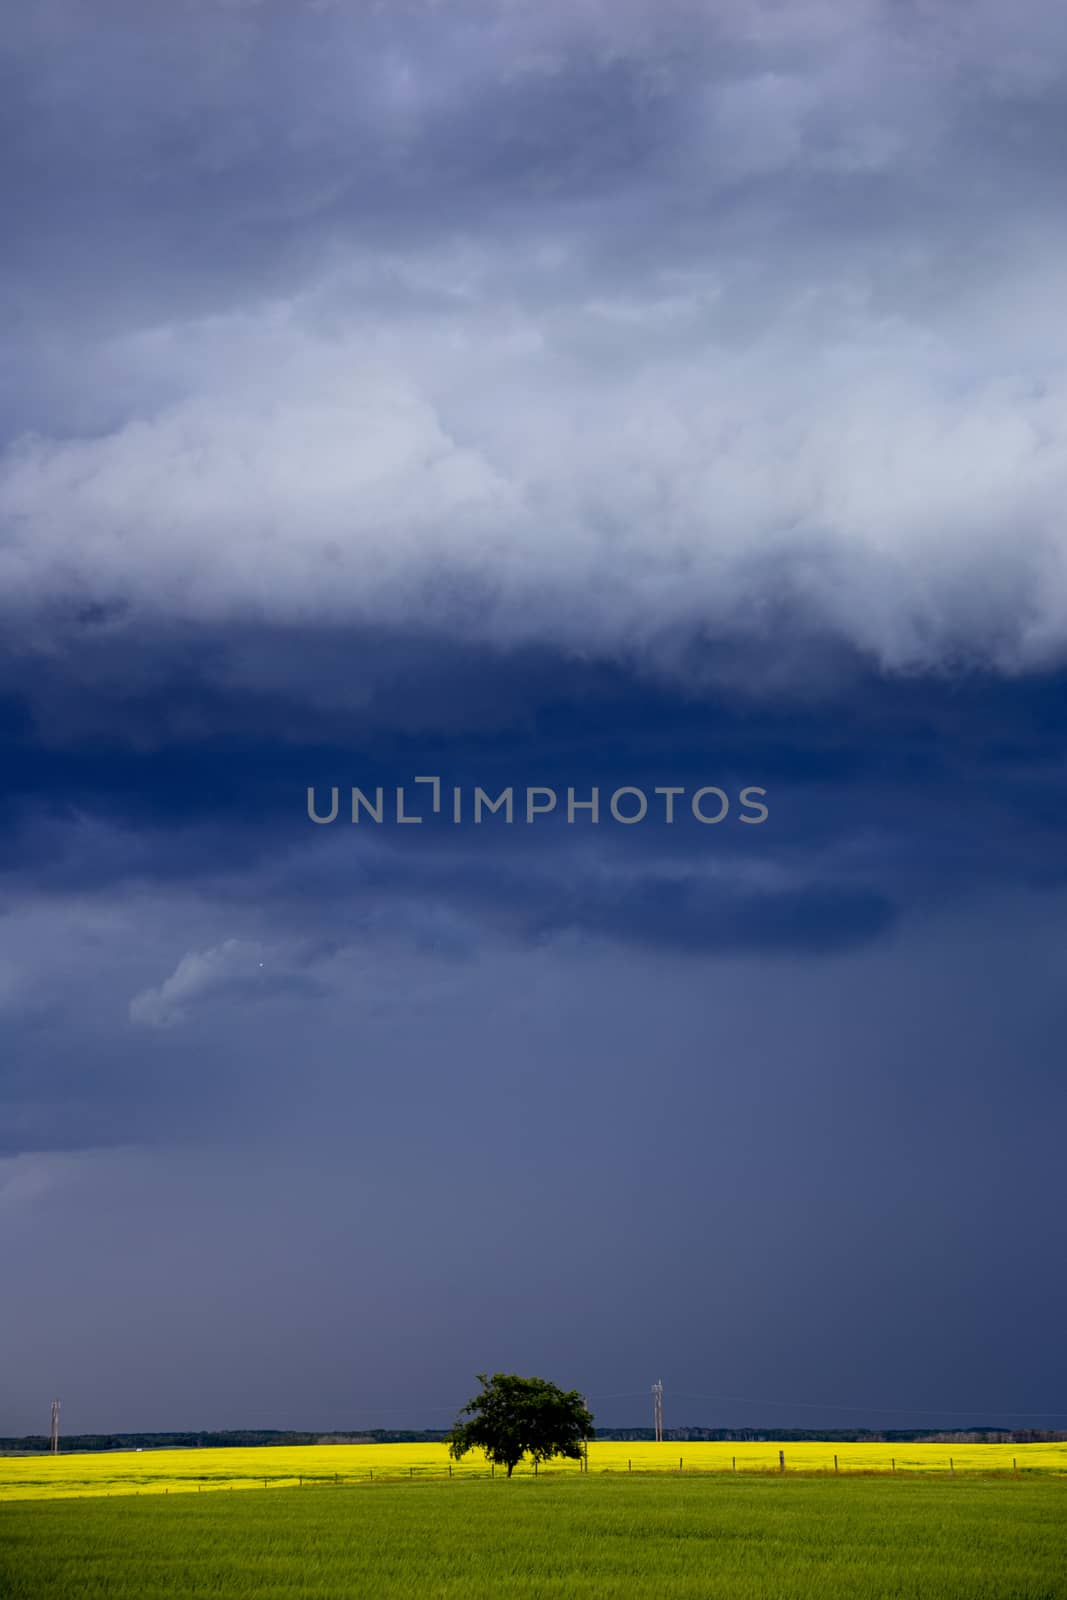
(709, 346)
(871, 487)
(236, 971)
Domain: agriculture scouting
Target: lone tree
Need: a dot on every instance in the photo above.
(515, 1417)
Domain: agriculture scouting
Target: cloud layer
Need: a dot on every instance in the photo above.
(712, 343)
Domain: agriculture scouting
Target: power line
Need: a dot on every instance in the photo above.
(381, 1413)
(628, 1394)
(823, 1405)
(753, 1400)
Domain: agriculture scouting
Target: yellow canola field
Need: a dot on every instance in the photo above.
(198, 1471)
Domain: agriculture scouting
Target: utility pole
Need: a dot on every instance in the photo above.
(55, 1427)
(657, 1409)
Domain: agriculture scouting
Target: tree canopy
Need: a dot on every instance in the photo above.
(515, 1417)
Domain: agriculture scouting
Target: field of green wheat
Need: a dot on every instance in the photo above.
(603, 1536)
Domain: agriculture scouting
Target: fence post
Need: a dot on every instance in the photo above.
(835, 1464)
(629, 1466)
(893, 1467)
(734, 1461)
(679, 1463)
(450, 1469)
(492, 1469)
(372, 1474)
(411, 1472)
(952, 1466)
(1014, 1466)
(781, 1461)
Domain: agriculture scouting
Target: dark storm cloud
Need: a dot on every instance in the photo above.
(575, 394)
(901, 802)
(951, 783)
(612, 330)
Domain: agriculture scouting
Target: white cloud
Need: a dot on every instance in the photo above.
(525, 477)
(234, 964)
(653, 402)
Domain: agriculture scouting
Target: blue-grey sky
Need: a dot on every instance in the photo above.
(569, 395)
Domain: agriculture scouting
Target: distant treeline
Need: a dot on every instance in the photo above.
(33, 1443)
(983, 1435)
(243, 1438)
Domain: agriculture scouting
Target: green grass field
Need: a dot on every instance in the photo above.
(597, 1538)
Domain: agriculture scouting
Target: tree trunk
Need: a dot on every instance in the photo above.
(511, 1467)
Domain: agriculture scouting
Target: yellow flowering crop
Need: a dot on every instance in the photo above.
(198, 1471)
